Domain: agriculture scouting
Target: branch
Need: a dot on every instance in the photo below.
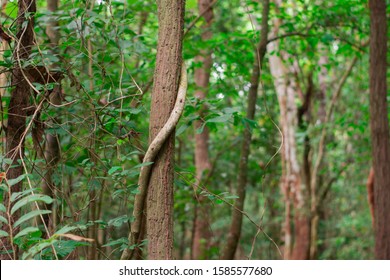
(321, 146)
(289, 35)
(191, 25)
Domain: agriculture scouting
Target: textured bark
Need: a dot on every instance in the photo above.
(4, 45)
(304, 112)
(16, 129)
(235, 227)
(292, 187)
(166, 80)
(202, 233)
(380, 127)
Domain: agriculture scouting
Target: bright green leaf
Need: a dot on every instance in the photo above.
(26, 231)
(3, 220)
(220, 119)
(36, 197)
(30, 215)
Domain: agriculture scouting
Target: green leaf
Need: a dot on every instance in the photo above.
(66, 229)
(220, 119)
(200, 129)
(26, 231)
(2, 208)
(18, 195)
(230, 110)
(36, 197)
(181, 129)
(114, 169)
(4, 187)
(142, 164)
(231, 197)
(117, 222)
(12, 182)
(119, 241)
(3, 233)
(38, 248)
(3, 220)
(30, 215)
(65, 247)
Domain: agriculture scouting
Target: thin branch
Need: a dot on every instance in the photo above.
(192, 24)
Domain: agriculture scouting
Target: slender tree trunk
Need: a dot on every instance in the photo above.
(202, 233)
(52, 148)
(166, 78)
(4, 76)
(380, 127)
(321, 116)
(92, 193)
(4, 46)
(370, 195)
(16, 129)
(235, 227)
(292, 187)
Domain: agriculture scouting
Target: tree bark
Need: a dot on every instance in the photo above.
(292, 187)
(166, 79)
(202, 233)
(380, 127)
(370, 195)
(16, 129)
(235, 227)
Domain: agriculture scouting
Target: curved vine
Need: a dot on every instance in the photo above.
(150, 156)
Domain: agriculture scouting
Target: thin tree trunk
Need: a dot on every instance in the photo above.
(93, 194)
(52, 148)
(321, 116)
(4, 45)
(370, 195)
(202, 233)
(295, 195)
(16, 129)
(166, 79)
(235, 227)
(380, 127)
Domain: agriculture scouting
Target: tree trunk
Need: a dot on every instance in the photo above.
(235, 227)
(380, 127)
(370, 195)
(321, 117)
(166, 79)
(52, 148)
(202, 233)
(16, 129)
(292, 187)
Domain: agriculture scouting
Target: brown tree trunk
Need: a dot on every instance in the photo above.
(16, 129)
(321, 116)
(52, 148)
(235, 227)
(370, 195)
(380, 127)
(166, 78)
(202, 233)
(292, 187)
